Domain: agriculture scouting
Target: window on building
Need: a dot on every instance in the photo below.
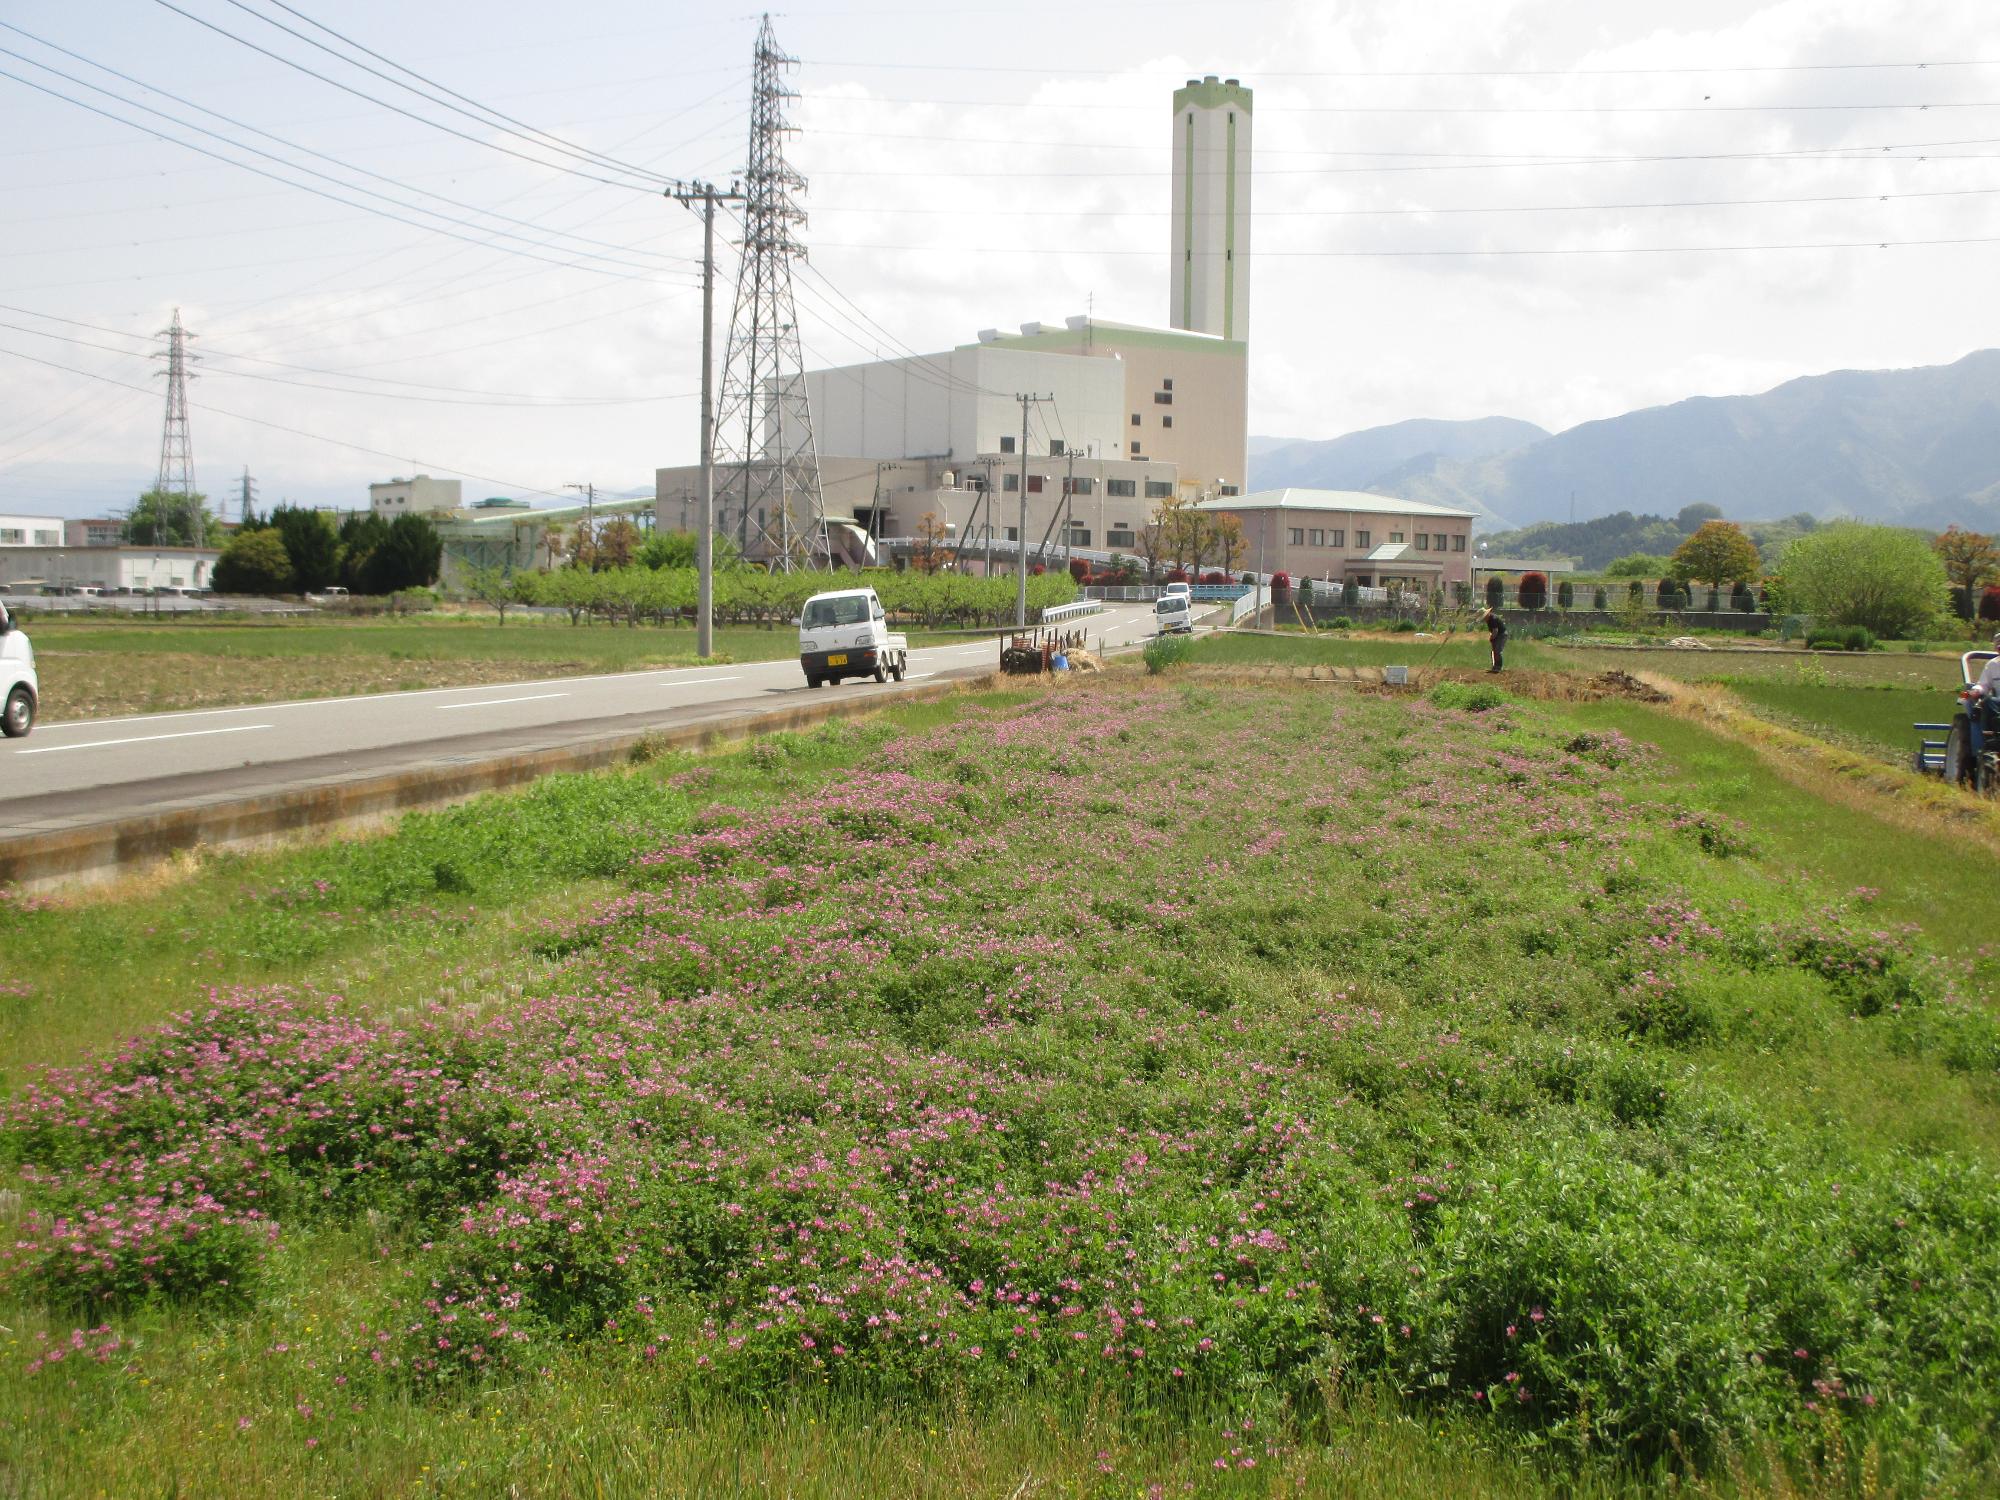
(1230, 489)
(1007, 444)
(1079, 536)
(48, 539)
(1121, 536)
(13, 534)
(1336, 539)
(1437, 541)
(1298, 536)
(1167, 385)
(1364, 539)
(1163, 398)
(1135, 419)
(1120, 489)
(1318, 537)
(1010, 484)
(1055, 447)
(1013, 535)
(1034, 484)
(1395, 536)
(1135, 447)
(1458, 544)
(1082, 486)
(1423, 541)
(1159, 489)
(1166, 421)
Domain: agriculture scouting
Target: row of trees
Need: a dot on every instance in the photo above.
(296, 551)
(744, 596)
(1891, 580)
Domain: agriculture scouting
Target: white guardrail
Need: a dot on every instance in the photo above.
(1248, 605)
(1055, 614)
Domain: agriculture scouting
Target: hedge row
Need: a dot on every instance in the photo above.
(747, 597)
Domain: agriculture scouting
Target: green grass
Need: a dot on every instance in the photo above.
(1873, 719)
(608, 648)
(1266, 1008)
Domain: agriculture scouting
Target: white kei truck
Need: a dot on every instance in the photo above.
(846, 633)
(20, 691)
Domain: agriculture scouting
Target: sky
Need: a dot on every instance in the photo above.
(1552, 210)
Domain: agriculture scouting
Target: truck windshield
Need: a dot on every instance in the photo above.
(841, 609)
(1173, 604)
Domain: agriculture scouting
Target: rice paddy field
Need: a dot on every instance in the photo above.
(1155, 1085)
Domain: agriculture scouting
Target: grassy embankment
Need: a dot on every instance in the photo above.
(95, 669)
(1865, 701)
(1147, 1087)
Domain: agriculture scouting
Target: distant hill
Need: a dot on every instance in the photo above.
(1359, 460)
(1920, 447)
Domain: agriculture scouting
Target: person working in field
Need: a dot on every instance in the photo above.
(1982, 703)
(1496, 637)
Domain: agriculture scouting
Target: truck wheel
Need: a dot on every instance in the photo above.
(881, 671)
(812, 681)
(899, 669)
(19, 716)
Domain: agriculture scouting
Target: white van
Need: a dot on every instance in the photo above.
(1173, 614)
(20, 691)
(846, 634)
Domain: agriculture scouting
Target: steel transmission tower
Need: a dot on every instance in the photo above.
(176, 476)
(765, 458)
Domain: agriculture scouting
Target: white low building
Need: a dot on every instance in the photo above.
(125, 568)
(31, 531)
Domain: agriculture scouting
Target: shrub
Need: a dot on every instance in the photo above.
(1403, 625)
(1179, 575)
(1742, 599)
(1599, 599)
(1840, 638)
(1281, 582)
(1714, 600)
(1534, 591)
(1165, 651)
(1339, 622)
(1565, 595)
(1672, 594)
(1214, 576)
(1079, 570)
(1470, 697)
(1989, 603)
(1496, 593)
(1350, 594)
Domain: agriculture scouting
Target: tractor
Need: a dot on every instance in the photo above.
(1946, 749)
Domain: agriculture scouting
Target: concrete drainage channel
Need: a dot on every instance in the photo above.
(91, 852)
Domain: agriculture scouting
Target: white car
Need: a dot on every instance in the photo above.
(846, 634)
(20, 692)
(1173, 614)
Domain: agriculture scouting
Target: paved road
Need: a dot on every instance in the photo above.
(91, 770)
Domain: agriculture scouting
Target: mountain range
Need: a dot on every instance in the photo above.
(1918, 447)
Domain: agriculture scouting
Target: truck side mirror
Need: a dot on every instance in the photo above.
(800, 621)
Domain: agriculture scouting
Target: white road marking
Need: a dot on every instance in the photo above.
(495, 702)
(141, 739)
(684, 674)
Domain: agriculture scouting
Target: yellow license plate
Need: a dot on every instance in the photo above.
(837, 659)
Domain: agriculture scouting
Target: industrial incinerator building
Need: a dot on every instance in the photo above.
(1133, 414)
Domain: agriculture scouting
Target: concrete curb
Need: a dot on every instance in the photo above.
(97, 851)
